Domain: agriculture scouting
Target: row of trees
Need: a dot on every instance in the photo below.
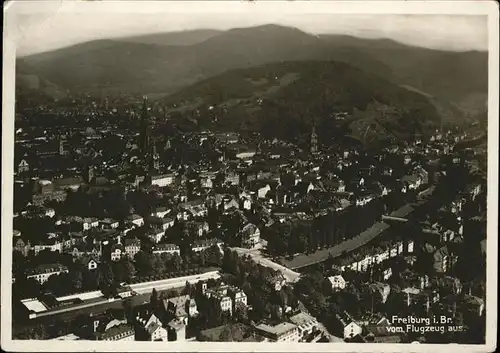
(331, 229)
(106, 277)
(148, 264)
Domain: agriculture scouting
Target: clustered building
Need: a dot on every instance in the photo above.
(101, 195)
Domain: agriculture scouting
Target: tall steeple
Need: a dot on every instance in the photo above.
(156, 158)
(314, 140)
(144, 133)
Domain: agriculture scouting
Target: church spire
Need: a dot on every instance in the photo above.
(155, 157)
(144, 133)
(314, 140)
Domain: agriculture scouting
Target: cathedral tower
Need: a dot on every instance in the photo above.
(314, 141)
(144, 133)
(156, 158)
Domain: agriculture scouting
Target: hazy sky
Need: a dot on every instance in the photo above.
(61, 25)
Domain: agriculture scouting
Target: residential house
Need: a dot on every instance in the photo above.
(349, 327)
(81, 249)
(444, 260)
(88, 262)
(250, 236)
(23, 166)
(117, 251)
(182, 215)
(232, 178)
(305, 323)
(387, 273)
(230, 203)
(237, 296)
(219, 297)
(155, 234)
(227, 138)
(160, 212)
(51, 245)
(122, 332)
(411, 294)
(176, 330)
(263, 190)
(21, 246)
(200, 245)
(49, 212)
(163, 180)
(337, 282)
(284, 332)
(206, 180)
(150, 328)
(132, 247)
(364, 198)
(136, 220)
(163, 223)
(89, 223)
(359, 262)
(198, 228)
(42, 273)
(195, 208)
(410, 246)
(166, 249)
(181, 307)
(108, 223)
(246, 201)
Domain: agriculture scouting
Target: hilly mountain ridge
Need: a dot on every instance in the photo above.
(286, 99)
(158, 64)
(182, 38)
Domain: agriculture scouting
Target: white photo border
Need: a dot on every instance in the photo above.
(488, 8)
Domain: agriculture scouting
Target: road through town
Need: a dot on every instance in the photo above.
(256, 255)
(143, 291)
(141, 288)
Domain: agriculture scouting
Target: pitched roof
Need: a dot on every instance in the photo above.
(207, 242)
(178, 303)
(47, 268)
(163, 247)
(302, 319)
(118, 330)
(152, 327)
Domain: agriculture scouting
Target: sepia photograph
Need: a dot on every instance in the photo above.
(236, 176)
